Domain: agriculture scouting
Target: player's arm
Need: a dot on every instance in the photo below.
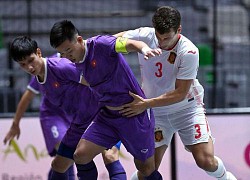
(181, 90)
(140, 104)
(21, 108)
(186, 73)
(125, 45)
(120, 34)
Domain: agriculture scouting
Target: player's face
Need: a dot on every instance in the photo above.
(33, 64)
(167, 40)
(72, 50)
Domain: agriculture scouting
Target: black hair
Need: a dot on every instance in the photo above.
(21, 47)
(62, 31)
(165, 19)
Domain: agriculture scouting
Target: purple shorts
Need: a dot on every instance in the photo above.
(53, 128)
(136, 133)
(73, 135)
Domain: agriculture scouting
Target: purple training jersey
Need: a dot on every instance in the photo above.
(108, 72)
(46, 107)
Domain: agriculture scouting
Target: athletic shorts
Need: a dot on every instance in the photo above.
(191, 125)
(53, 128)
(136, 133)
(71, 140)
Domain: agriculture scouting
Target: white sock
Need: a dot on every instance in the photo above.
(134, 176)
(220, 173)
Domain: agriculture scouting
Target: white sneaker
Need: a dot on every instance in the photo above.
(230, 176)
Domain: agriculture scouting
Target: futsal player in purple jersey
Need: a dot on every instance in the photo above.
(79, 101)
(104, 68)
(54, 122)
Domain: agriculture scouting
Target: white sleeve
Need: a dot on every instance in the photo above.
(189, 64)
(132, 34)
(33, 90)
(144, 34)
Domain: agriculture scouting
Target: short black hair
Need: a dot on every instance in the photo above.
(62, 31)
(165, 19)
(21, 47)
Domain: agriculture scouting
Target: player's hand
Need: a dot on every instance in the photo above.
(13, 132)
(148, 52)
(137, 106)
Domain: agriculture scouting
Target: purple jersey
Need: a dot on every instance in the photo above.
(60, 89)
(108, 72)
(54, 121)
(46, 107)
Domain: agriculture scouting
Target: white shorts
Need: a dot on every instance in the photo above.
(191, 125)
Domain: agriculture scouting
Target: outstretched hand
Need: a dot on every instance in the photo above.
(137, 106)
(148, 52)
(13, 132)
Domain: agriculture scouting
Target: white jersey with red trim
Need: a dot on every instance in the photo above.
(160, 73)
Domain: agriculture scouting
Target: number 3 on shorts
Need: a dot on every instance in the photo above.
(198, 131)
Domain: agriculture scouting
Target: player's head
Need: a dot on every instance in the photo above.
(26, 53)
(167, 24)
(64, 37)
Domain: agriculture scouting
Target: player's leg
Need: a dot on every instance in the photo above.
(143, 146)
(199, 136)
(159, 153)
(83, 157)
(54, 129)
(64, 158)
(163, 135)
(112, 163)
(70, 170)
(60, 166)
(164, 132)
(147, 169)
(203, 154)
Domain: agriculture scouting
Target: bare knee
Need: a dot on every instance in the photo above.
(58, 166)
(81, 157)
(147, 167)
(207, 163)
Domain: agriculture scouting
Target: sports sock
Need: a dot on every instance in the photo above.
(134, 176)
(49, 174)
(154, 176)
(58, 176)
(71, 173)
(220, 172)
(116, 171)
(87, 171)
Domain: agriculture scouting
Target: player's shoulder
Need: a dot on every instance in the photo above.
(101, 38)
(57, 63)
(146, 32)
(101, 41)
(186, 46)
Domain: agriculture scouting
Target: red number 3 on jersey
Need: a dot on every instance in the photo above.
(159, 70)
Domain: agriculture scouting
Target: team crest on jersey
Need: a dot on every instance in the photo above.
(93, 63)
(172, 57)
(56, 84)
(158, 135)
